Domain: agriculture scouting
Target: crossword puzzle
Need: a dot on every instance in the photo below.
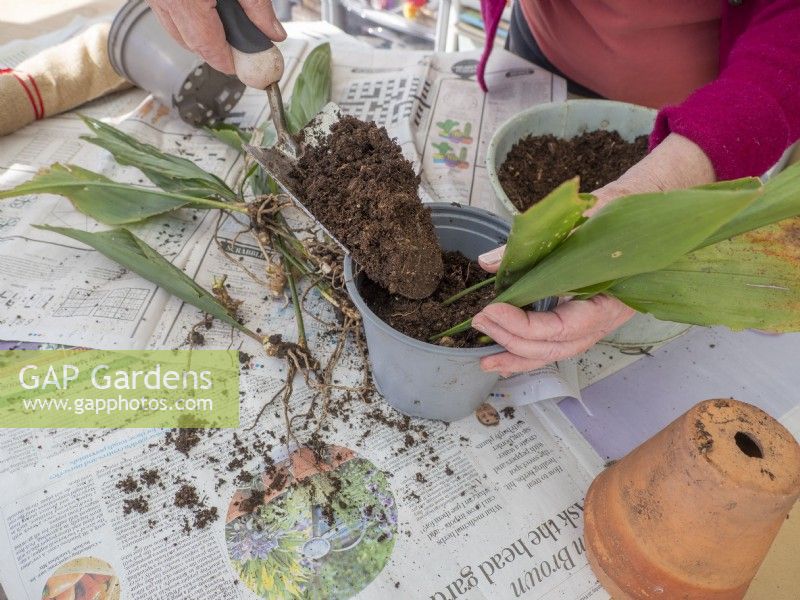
(387, 102)
(122, 304)
(422, 104)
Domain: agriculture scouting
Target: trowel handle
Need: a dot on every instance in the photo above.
(258, 62)
(240, 31)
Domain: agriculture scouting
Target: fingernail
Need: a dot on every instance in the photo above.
(279, 29)
(479, 324)
(492, 257)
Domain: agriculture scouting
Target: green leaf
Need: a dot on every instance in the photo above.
(170, 173)
(312, 88)
(230, 134)
(635, 234)
(539, 230)
(121, 246)
(751, 281)
(103, 199)
(780, 200)
(732, 185)
(592, 290)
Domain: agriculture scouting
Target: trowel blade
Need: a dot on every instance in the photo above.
(279, 161)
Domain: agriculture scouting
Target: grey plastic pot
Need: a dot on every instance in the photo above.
(563, 120)
(143, 52)
(566, 120)
(426, 380)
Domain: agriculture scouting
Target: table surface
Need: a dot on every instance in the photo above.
(778, 578)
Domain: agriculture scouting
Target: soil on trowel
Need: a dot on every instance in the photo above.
(421, 319)
(536, 165)
(357, 183)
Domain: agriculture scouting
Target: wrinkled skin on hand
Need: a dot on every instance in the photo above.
(196, 26)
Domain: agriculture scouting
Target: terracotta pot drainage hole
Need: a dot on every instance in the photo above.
(748, 445)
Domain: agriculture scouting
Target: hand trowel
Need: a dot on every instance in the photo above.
(259, 64)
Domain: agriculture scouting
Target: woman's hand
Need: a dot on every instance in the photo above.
(196, 25)
(534, 339)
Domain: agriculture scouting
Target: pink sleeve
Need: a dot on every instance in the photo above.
(750, 114)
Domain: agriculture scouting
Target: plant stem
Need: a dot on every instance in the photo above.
(469, 290)
(463, 326)
(247, 176)
(289, 235)
(298, 310)
(252, 334)
(233, 206)
(291, 258)
(325, 290)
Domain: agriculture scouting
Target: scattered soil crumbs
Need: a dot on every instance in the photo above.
(137, 504)
(186, 496)
(251, 453)
(128, 485)
(204, 517)
(536, 165)
(150, 477)
(252, 502)
(421, 319)
(184, 439)
(359, 185)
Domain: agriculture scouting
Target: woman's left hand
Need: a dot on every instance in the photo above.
(534, 339)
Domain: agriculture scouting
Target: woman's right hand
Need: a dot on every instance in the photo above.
(196, 25)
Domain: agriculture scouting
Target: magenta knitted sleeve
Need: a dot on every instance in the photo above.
(750, 114)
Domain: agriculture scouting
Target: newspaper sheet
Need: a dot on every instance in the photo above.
(751, 366)
(461, 511)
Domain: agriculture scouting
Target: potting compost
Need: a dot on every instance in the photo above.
(326, 495)
(421, 319)
(536, 165)
(360, 186)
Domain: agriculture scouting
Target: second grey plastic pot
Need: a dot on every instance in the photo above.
(426, 380)
(143, 52)
(563, 120)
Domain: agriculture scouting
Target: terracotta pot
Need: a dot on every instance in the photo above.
(691, 513)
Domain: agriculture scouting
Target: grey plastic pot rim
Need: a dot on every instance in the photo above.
(122, 19)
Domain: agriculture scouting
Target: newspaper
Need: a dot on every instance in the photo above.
(467, 510)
